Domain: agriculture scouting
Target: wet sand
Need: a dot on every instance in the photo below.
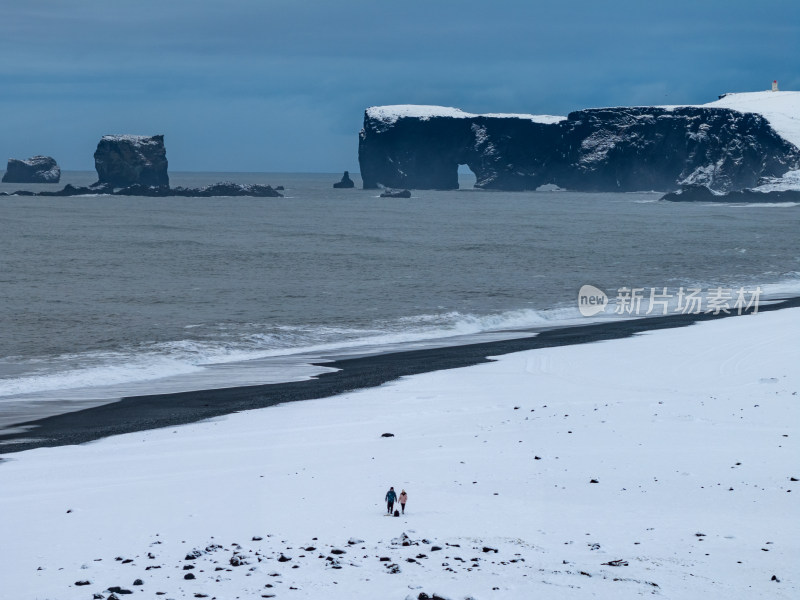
(165, 410)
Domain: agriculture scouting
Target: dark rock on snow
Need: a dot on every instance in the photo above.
(345, 182)
(118, 590)
(123, 160)
(387, 435)
(601, 150)
(37, 169)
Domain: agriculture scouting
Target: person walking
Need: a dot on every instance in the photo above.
(403, 499)
(391, 496)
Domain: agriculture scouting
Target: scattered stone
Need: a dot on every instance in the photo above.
(238, 560)
(193, 555)
(594, 481)
(284, 558)
(489, 549)
(187, 567)
(138, 582)
(775, 579)
(616, 563)
(118, 590)
(352, 541)
(337, 551)
(189, 576)
(435, 548)
(257, 538)
(387, 435)
(83, 582)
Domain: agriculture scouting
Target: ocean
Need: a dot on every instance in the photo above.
(106, 297)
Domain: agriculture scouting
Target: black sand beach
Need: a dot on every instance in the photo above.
(166, 410)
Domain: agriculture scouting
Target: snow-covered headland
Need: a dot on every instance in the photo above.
(663, 464)
(740, 141)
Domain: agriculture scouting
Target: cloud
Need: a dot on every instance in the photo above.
(307, 70)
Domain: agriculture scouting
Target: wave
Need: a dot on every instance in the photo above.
(228, 354)
(243, 343)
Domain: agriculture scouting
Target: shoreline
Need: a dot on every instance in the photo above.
(141, 413)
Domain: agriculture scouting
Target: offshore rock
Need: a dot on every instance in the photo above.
(37, 169)
(597, 150)
(700, 193)
(345, 182)
(125, 160)
(396, 194)
(227, 188)
(224, 188)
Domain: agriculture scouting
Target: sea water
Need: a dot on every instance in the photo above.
(104, 297)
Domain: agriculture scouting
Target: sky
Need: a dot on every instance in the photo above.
(281, 86)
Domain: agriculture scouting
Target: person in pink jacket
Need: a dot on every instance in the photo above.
(403, 498)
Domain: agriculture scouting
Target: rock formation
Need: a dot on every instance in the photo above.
(346, 182)
(700, 193)
(598, 150)
(223, 188)
(37, 169)
(124, 160)
(396, 194)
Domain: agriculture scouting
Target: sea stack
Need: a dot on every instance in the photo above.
(37, 169)
(125, 160)
(346, 182)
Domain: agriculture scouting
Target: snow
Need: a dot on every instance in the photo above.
(390, 114)
(789, 181)
(781, 109)
(133, 139)
(691, 433)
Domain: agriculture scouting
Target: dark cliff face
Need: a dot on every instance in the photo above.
(124, 160)
(614, 149)
(37, 169)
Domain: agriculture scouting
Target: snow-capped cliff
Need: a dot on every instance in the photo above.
(733, 143)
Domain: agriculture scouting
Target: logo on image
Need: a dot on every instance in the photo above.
(591, 300)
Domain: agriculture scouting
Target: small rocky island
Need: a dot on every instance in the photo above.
(345, 183)
(136, 165)
(124, 160)
(37, 169)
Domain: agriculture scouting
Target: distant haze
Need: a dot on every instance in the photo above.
(255, 85)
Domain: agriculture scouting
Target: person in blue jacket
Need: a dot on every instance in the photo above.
(391, 496)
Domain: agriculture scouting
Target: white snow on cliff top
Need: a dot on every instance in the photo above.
(126, 137)
(390, 114)
(781, 109)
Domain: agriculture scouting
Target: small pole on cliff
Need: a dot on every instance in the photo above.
(775, 85)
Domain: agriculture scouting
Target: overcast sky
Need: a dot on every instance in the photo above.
(273, 85)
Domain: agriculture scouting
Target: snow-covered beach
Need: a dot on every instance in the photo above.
(690, 435)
